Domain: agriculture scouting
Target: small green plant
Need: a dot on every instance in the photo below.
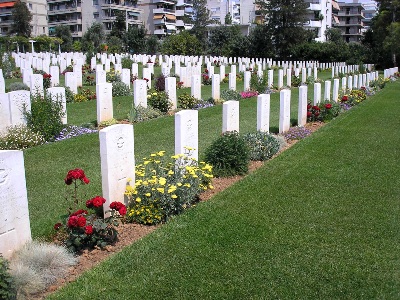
(262, 145)
(229, 155)
(69, 95)
(108, 123)
(37, 265)
(296, 81)
(185, 101)
(159, 100)
(166, 187)
(324, 111)
(17, 86)
(45, 116)
(112, 76)
(140, 114)
(159, 83)
(7, 284)
(258, 84)
(120, 89)
(227, 95)
(126, 63)
(20, 137)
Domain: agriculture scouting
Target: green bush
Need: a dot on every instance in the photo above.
(120, 89)
(159, 83)
(262, 145)
(229, 155)
(20, 137)
(140, 114)
(7, 288)
(185, 101)
(112, 76)
(45, 116)
(126, 63)
(159, 100)
(258, 84)
(230, 95)
(17, 86)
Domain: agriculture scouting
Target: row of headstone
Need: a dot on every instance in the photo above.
(390, 72)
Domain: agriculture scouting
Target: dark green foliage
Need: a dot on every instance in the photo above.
(126, 63)
(259, 84)
(159, 100)
(120, 89)
(93, 37)
(22, 18)
(221, 40)
(69, 95)
(7, 288)
(185, 101)
(63, 32)
(159, 83)
(201, 18)
(115, 44)
(135, 39)
(45, 116)
(262, 145)
(230, 95)
(119, 25)
(181, 44)
(260, 42)
(17, 86)
(229, 155)
(140, 114)
(152, 44)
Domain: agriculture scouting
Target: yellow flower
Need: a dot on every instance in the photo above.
(148, 96)
(154, 94)
(146, 162)
(170, 172)
(153, 154)
(174, 196)
(175, 157)
(138, 200)
(161, 153)
(171, 189)
(147, 194)
(162, 181)
(161, 190)
(187, 185)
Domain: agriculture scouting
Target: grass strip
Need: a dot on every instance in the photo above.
(321, 221)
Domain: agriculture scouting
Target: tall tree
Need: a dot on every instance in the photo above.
(119, 25)
(182, 43)
(201, 18)
(135, 39)
(93, 37)
(285, 22)
(63, 32)
(22, 18)
(222, 38)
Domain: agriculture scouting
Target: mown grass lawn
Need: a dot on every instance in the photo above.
(320, 221)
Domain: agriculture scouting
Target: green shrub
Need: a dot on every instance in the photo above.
(7, 287)
(45, 116)
(126, 63)
(258, 84)
(229, 155)
(7, 64)
(17, 86)
(262, 145)
(185, 101)
(296, 81)
(112, 76)
(230, 95)
(140, 114)
(69, 95)
(159, 100)
(120, 89)
(159, 83)
(20, 137)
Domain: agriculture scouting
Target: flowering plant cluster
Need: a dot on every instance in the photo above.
(113, 76)
(324, 111)
(206, 79)
(84, 95)
(379, 83)
(248, 94)
(89, 80)
(133, 78)
(85, 228)
(73, 131)
(179, 84)
(46, 80)
(354, 97)
(166, 187)
(159, 100)
(297, 133)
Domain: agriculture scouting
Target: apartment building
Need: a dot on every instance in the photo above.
(79, 15)
(350, 20)
(319, 18)
(38, 8)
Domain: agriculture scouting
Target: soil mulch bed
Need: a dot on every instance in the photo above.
(129, 233)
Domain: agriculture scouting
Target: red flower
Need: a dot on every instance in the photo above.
(95, 202)
(206, 71)
(206, 77)
(328, 106)
(122, 211)
(79, 212)
(316, 114)
(81, 222)
(118, 206)
(345, 98)
(72, 221)
(74, 175)
(309, 106)
(89, 229)
(146, 79)
(309, 114)
(315, 107)
(57, 226)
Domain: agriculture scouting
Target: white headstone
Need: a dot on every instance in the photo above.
(303, 102)
(140, 92)
(104, 102)
(101, 75)
(36, 84)
(350, 83)
(126, 77)
(270, 78)
(17, 101)
(57, 94)
(5, 118)
(280, 78)
(230, 116)
(170, 89)
(195, 89)
(186, 132)
(55, 75)
(246, 80)
(117, 162)
(232, 81)
(70, 81)
(289, 77)
(263, 112)
(15, 228)
(327, 90)
(317, 93)
(344, 84)
(78, 74)
(303, 75)
(284, 111)
(135, 69)
(215, 90)
(147, 76)
(2, 85)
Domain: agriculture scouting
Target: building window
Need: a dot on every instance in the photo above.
(30, 6)
(95, 2)
(96, 15)
(44, 30)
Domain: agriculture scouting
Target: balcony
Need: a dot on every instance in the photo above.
(163, 11)
(64, 11)
(180, 23)
(71, 21)
(180, 13)
(313, 24)
(76, 34)
(314, 6)
(172, 2)
(159, 32)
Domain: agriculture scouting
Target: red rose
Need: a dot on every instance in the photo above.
(57, 226)
(74, 175)
(309, 114)
(98, 201)
(316, 114)
(72, 221)
(345, 98)
(206, 71)
(309, 106)
(81, 222)
(315, 107)
(328, 106)
(122, 211)
(89, 229)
